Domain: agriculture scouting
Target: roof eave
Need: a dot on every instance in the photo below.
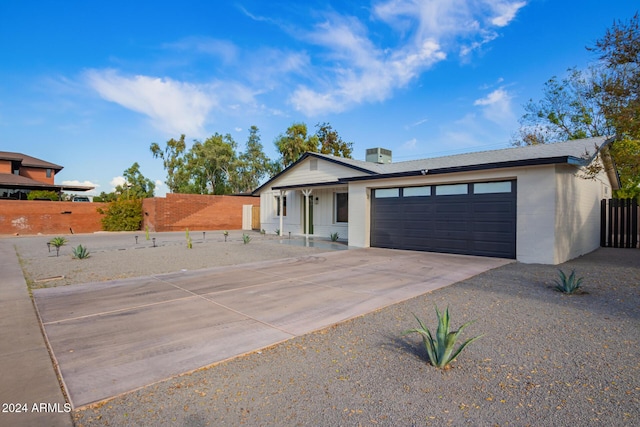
(474, 168)
(304, 156)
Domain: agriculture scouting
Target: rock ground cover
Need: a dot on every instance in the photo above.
(545, 358)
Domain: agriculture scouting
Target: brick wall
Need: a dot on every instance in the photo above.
(46, 217)
(176, 212)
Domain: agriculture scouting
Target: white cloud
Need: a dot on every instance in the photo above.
(360, 71)
(173, 107)
(410, 144)
(496, 107)
(222, 49)
(116, 181)
(506, 11)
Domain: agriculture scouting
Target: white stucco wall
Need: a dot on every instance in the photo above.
(577, 225)
(324, 223)
(558, 213)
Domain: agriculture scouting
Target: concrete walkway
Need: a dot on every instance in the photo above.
(28, 381)
(112, 337)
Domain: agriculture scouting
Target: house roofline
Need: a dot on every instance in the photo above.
(316, 184)
(335, 160)
(473, 168)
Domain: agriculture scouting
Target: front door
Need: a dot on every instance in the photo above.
(304, 215)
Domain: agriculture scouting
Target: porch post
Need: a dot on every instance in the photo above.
(281, 210)
(306, 193)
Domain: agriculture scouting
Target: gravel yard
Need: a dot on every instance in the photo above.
(545, 358)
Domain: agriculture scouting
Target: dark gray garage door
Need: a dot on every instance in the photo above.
(471, 219)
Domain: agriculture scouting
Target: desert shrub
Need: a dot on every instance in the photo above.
(246, 238)
(334, 236)
(568, 284)
(441, 347)
(122, 215)
(80, 252)
(43, 194)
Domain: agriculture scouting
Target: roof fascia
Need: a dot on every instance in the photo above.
(317, 184)
(301, 159)
(470, 168)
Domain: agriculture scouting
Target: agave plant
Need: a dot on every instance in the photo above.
(246, 238)
(334, 236)
(80, 252)
(440, 348)
(58, 242)
(568, 284)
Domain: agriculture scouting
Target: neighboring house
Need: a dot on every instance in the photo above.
(533, 204)
(20, 174)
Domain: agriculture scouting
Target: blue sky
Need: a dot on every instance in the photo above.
(90, 85)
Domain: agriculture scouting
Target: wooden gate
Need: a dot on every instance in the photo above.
(619, 220)
(255, 218)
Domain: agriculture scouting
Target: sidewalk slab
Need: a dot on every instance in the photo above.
(29, 382)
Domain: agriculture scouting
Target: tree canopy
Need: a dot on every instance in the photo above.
(295, 142)
(603, 100)
(216, 166)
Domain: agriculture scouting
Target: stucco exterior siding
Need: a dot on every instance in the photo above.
(536, 215)
(578, 213)
(557, 214)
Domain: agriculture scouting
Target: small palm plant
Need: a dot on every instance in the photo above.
(440, 348)
(58, 242)
(80, 252)
(568, 284)
(246, 238)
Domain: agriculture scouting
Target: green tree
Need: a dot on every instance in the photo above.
(296, 141)
(174, 161)
(569, 109)
(331, 143)
(619, 52)
(211, 164)
(252, 165)
(602, 101)
(136, 185)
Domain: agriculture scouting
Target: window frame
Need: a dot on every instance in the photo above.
(336, 209)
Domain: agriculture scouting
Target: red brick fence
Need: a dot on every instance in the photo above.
(175, 212)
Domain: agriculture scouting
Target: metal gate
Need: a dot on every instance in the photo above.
(619, 220)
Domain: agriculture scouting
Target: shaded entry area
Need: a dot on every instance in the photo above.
(469, 218)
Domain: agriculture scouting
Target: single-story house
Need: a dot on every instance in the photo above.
(534, 204)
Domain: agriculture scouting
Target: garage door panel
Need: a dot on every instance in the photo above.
(475, 224)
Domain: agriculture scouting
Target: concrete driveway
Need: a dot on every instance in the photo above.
(112, 337)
